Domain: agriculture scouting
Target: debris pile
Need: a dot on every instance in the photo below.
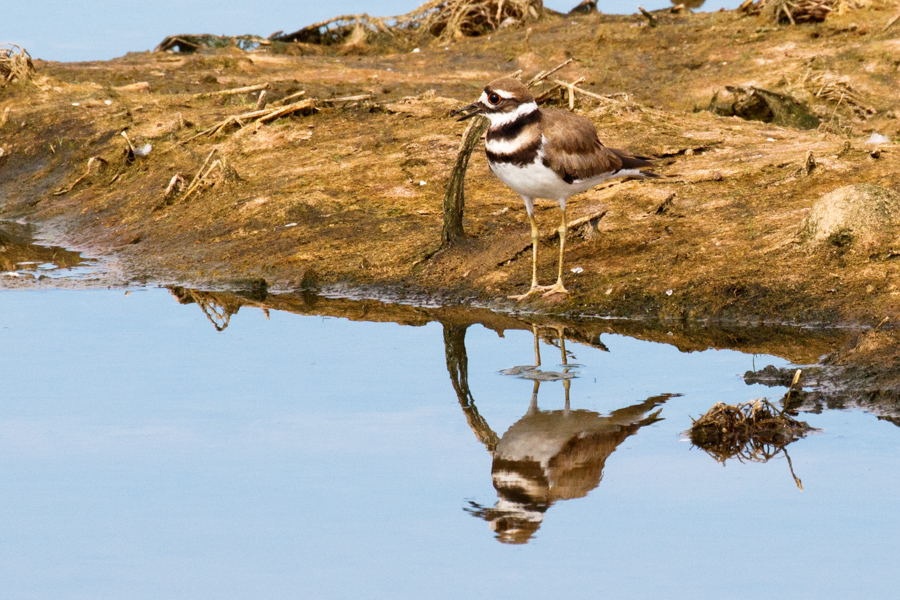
(15, 64)
(800, 11)
(189, 43)
(755, 431)
(440, 20)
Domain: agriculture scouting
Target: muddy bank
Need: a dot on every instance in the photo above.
(842, 368)
(347, 192)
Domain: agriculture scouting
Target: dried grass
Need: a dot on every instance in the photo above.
(440, 20)
(15, 64)
(802, 11)
(753, 431)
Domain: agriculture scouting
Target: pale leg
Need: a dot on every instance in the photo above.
(559, 288)
(535, 240)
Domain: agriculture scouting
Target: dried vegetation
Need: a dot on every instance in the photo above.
(439, 20)
(756, 431)
(801, 11)
(752, 431)
(15, 64)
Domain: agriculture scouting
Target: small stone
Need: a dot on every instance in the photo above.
(877, 138)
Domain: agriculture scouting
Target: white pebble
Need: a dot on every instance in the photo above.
(577, 270)
(877, 138)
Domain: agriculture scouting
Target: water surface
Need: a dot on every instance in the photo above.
(144, 454)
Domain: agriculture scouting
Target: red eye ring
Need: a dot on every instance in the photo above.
(494, 98)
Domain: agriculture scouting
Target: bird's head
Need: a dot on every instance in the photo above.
(502, 100)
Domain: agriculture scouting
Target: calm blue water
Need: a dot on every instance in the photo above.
(102, 29)
(143, 454)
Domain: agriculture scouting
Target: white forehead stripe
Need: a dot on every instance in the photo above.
(501, 93)
(498, 119)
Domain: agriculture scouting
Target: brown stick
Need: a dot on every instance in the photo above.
(286, 110)
(91, 161)
(650, 18)
(545, 74)
(359, 98)
(293, 96)
(582, 91)
(232, 92)
(454, 196)
(199, 181)
(199, 174)
(258, 116)
(176, 181)
(893, 20)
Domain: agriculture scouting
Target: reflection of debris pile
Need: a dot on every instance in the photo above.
(754, 431)
(15, 64)
(443, 20)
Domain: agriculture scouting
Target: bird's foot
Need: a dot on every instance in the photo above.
(536, 289)
(558, 288)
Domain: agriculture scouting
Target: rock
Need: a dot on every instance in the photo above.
(586, 7)
(859, 215)
(758, 104)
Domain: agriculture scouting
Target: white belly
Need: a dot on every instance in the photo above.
(537, 181)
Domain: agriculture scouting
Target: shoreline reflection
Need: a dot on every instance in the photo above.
(547, 455)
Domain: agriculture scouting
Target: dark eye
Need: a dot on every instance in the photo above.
(494, 98)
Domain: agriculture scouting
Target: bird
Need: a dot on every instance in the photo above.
(545, 153)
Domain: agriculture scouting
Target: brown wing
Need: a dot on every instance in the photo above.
(573, 150)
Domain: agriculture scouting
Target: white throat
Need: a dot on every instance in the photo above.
(501, 119)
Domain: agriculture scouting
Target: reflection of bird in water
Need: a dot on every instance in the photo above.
(551, 455)
(547, 455)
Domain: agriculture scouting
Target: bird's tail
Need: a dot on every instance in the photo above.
(630, 162)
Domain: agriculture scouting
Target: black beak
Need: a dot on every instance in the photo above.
(471, 110)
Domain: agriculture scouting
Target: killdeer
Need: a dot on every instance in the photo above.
(545, 153)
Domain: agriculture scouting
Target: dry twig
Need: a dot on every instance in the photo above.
(651, 20)
(69, 188)
(232, 92)
(256, 116)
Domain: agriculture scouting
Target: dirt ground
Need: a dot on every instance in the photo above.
(347, 194)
